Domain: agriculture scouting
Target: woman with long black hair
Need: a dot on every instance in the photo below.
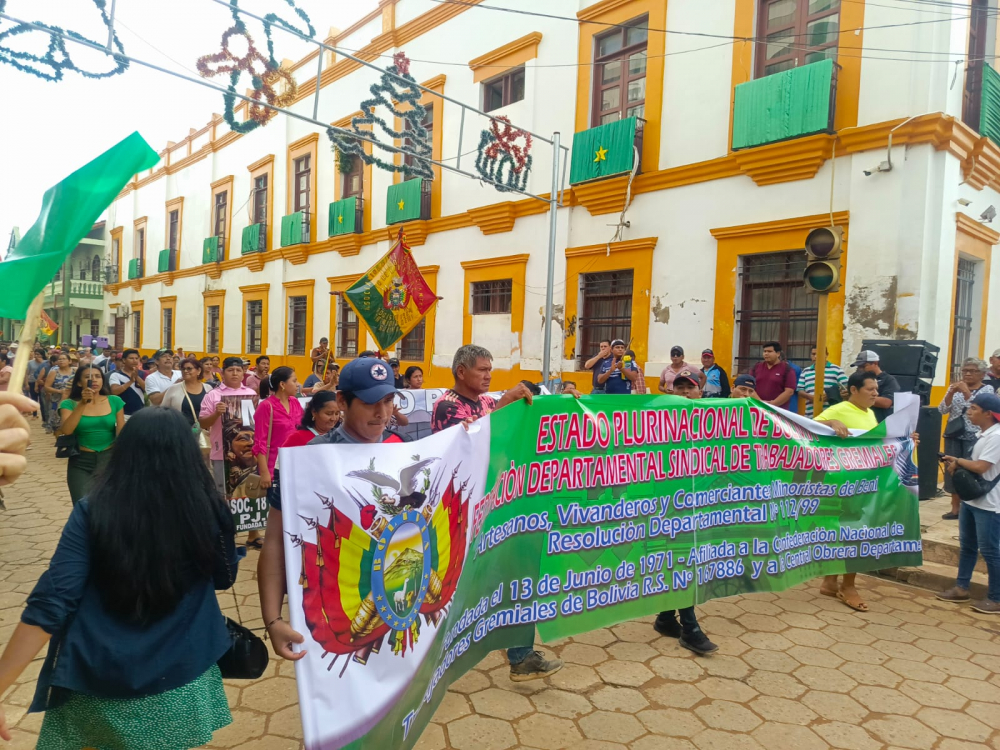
(94, 417)
(128, 603)
(320, 416)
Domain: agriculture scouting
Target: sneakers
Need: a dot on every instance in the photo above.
(987, 607)
(533, 667)
(954, 594)
(667, 626)
(699, 643)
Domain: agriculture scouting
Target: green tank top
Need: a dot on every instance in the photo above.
(96, 433)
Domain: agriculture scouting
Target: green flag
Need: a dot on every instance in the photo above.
(403, 201)
(603, 151)
(342, 216)
(69, 210)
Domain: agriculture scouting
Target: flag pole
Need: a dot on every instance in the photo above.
(26, 343)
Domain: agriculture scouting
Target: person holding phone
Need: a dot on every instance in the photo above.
(618, 372)
(95, 417)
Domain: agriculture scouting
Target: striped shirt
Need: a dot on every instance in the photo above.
(807, 381)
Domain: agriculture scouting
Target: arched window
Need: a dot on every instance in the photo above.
(95, 268)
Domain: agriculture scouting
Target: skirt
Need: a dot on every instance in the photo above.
(178, 719)
(958, 449)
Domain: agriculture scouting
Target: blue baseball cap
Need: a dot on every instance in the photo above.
(368, 378)
(988, 402)
(745, 380)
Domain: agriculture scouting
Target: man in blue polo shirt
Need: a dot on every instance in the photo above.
(129, 383)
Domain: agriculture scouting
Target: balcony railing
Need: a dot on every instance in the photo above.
(791, 104)
(347, 216)
(254, 239)
(607, 150)
(295, 229)
(81, 288)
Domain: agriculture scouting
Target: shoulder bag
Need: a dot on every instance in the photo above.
(956, 428)
(971, 486)
(204, 441)
(67, 446)
(246, 658)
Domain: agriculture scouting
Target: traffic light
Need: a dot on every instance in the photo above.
(823, 248)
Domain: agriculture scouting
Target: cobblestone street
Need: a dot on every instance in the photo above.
(795, 670)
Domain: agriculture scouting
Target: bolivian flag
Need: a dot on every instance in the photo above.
(392, 298)
(48, 325)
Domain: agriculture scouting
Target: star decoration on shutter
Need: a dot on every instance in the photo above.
(601, 155)
(340, 219)
(401, 204)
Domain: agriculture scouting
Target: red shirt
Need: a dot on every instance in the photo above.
(772, 381)
(299, 437)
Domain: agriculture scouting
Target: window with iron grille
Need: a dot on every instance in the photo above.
(965, 307)
(411, 346)
(347, 329)
(212, 329)
(354, 180)
(260, 199)
(796, 32)
(303, 170)
(503, 90)
(773, 305)
(168, 328)
(255, 325)
(979, 27)
(297, 312)
(221, 206)
(428, 124)
(620, 73)
(115, 258)
(491, 297)
(137, 329)
(140, 245)
(607, 311)
(95, 327)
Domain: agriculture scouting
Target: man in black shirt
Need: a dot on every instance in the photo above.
(993, 374)
(888, 386)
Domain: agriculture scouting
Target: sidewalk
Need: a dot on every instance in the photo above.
(795, 670)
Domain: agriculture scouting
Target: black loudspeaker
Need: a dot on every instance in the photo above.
(929, 428)
(913, 385)
(915, 359)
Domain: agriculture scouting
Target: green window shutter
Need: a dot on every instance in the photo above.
(989, 116)
(785, 105)
(210, 250)
(342, 216)
(291, 229)
(603, 151)
(251, 239)
(403, 201)
(163, 261)
(133, 268)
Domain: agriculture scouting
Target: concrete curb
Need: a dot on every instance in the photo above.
(934, 577)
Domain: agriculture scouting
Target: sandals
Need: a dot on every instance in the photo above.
(257, 543)
(853, 601)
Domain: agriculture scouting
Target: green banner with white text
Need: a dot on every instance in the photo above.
(408, 563)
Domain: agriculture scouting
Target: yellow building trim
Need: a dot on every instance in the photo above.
(117, 234)
(214, 298)
(366, 179)
(168, 303)
(302, 288)
(253, 293)
(175, 204)
(768, 237)
(635, 255)
(307, 146)
(508, 56)
(258, 168)
(224, 185)
(435, 84)
(617, 12)
(850, 46)
(495, 269)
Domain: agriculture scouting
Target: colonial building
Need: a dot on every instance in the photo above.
(847, 111)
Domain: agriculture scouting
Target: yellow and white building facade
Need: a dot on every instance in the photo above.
(709, 251)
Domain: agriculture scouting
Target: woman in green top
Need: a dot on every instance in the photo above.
(95, 417)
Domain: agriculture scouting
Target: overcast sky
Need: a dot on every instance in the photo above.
(49, 129)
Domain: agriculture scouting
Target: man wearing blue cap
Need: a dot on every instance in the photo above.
(365, 396)
(979, 519)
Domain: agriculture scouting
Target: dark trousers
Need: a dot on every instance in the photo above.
(979, 534)
(689, 620)
(81, 471)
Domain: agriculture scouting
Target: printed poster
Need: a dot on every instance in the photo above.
(247, 499)
(408, 563)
